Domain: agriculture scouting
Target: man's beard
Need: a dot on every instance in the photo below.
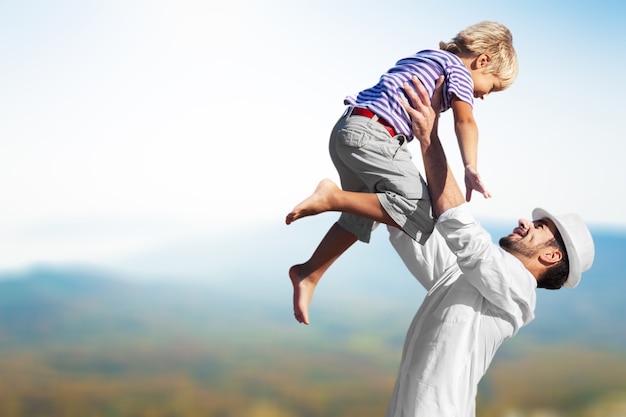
(513, 244)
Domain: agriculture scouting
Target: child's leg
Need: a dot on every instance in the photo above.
(328, 197)
(367, 159)
(305, 277)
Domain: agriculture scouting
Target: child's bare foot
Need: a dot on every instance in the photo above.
(316, 203)
(303, 288)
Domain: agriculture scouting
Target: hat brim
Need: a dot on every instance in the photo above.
(574, 266)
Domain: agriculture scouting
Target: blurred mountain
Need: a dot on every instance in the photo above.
(246, 286)
(222, 340)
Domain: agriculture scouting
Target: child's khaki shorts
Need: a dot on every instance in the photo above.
(368, 159)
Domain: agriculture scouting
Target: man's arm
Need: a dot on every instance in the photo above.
(444, 190)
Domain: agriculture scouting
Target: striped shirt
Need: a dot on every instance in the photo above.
(428, 66)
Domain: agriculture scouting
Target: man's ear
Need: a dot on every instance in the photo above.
(550, 256)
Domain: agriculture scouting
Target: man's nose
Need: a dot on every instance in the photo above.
(523, 223)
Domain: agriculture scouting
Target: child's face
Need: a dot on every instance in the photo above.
(485, 83)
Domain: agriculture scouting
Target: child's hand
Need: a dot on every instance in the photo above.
(473, 182)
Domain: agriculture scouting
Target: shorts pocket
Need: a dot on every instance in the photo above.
(352, 137)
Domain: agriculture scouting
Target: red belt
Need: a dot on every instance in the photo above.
(360, 111)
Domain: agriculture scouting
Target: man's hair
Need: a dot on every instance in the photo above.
(555, 276)
(493, 39)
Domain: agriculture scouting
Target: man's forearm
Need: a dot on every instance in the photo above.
(444, 190)
(442, 186)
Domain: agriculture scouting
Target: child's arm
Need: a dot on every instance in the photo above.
(467, 136)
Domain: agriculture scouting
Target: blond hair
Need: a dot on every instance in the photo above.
(490, 38)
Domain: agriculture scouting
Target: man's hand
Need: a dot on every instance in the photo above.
(423, 114)
(443, 188)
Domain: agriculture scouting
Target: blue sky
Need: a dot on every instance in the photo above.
(129, 125)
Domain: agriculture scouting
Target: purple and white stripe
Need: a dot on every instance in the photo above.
(428, 66)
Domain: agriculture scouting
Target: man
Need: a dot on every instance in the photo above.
(479, 293)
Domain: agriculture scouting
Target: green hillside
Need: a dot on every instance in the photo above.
(79, 342)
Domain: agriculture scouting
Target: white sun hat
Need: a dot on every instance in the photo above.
(578, 242)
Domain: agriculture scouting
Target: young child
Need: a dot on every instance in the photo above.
(368, 145)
